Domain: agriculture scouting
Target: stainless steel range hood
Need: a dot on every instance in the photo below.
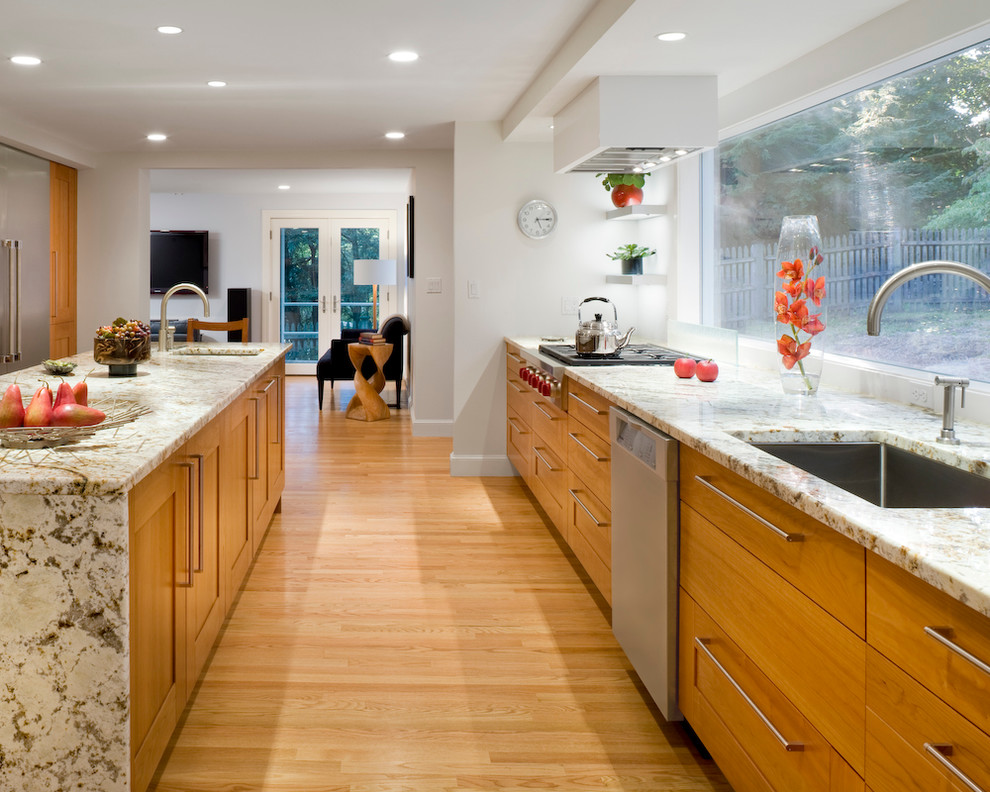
(619, 123)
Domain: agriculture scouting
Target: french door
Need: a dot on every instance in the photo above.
(312, 274)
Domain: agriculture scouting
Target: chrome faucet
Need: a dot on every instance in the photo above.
(163, 334)
(910, 273)
(950, 384)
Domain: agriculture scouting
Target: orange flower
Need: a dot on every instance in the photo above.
(814, 325)
(794, 270)
(815, 289)
(798, 314)
(780, 307)
(791, 351)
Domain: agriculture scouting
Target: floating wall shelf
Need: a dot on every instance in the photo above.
(638, 212)
(637, 280)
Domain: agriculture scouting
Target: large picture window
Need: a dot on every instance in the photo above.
(897, 173)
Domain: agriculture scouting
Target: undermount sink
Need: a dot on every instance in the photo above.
(216, 349)
(884, 474)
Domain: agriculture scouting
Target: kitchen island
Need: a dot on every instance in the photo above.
(72, 717)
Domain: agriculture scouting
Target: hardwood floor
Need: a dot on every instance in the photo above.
(405, 630)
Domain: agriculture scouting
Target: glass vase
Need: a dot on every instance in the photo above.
(799, 305)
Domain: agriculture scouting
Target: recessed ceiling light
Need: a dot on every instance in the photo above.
(217, 84)
(671, 36)
(681, 152)
(25, 60)
(169, 30)
(157, 137)
(284, 187)
(403, 56)
(395, 135)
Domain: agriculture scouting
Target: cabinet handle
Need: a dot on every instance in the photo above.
(512, 423)
(598, 523)
(54, 279)
(940, 751)
(591, 407)
(787, 537)
(257, 447)
(518, 389)
(191, 520)
(278, 397)
(702, 643)
(593, 454)
(542, 459)
(938, 633)
(548, 415)
(515, 357)
(202, 509)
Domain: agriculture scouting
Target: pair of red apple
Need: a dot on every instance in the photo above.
(705, 370)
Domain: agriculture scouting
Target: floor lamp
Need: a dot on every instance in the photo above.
(374, 273)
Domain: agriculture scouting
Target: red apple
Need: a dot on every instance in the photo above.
(626, 195)
(707, 370)
(684, 367)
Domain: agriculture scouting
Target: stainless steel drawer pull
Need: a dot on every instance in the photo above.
(939, 751)
(787, 745)
(518, 389)
(575, 439)
(591, 407)
(787, 537)
(191, 526)
(539, 407)
(200, 495)
(939, 634)
(542, 459)
(512, 423)
(587, 511)
(515, 357)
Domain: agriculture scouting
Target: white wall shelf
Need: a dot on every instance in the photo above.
(637, 212)
(637, 280)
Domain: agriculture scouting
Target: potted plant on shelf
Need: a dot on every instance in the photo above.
(631, 257)
(626, 188)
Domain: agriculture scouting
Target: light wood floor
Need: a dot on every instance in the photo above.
(405, 630)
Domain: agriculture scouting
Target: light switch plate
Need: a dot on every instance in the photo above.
(434, 286)
(474, 290)
(569, 305)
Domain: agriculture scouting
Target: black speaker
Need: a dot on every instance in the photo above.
(238, 307)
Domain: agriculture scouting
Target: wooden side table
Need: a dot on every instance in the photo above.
(367, 405)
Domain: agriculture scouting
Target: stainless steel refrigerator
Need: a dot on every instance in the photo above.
(25, 309)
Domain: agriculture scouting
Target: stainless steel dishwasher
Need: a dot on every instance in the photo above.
(644, 554)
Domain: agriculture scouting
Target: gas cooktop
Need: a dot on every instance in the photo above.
(629, 355)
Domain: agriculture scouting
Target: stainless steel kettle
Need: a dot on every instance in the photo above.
(600, 337)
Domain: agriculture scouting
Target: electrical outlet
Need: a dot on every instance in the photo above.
(474, 290)
(569, 305)
(434, 286)
(921, 396)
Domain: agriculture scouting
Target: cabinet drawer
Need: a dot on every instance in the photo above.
(588, 407)
(818, 561)
(513, 360)
(590, 458)
(815, 662)
(590, 521)
(909, 728)
(520, 398)
(549, 422)
(519, 443)
(785, 748)
(928, 634)
(549, 483)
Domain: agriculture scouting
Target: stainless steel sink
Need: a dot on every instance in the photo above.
(884, 474)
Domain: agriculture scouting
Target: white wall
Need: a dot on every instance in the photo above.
(522, 281)
(113, 275)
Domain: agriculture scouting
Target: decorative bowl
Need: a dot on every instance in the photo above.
(60, 367)
(122, 345)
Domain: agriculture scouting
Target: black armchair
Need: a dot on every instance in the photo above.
(336, 363)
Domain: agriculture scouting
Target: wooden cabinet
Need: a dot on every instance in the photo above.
(236, 455)
(267, 476)
(62, 287)
(161, 576)
(928, 693)
(763, 588)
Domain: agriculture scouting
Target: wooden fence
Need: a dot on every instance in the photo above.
(855, 265)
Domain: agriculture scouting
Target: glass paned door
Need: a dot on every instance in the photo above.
(359, 240)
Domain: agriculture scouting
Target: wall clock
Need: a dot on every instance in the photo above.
(537, 219)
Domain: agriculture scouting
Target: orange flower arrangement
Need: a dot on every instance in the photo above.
(791, 308)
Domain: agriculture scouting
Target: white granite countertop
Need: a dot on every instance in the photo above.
(183, 393)
(948, 548)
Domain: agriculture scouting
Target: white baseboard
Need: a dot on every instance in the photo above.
(480, 465)
(438, 428)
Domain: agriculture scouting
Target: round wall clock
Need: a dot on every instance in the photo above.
(537, 219)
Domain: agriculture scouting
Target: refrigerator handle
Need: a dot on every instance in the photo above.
(12, 250)
(15, 288)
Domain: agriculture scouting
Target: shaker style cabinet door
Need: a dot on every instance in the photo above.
(62, 289)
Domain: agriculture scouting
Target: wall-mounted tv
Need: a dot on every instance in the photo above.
(179, 257)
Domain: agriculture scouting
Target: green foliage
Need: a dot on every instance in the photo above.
(615, 179)
(626, 252)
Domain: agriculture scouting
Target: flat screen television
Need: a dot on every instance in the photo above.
(179, 257)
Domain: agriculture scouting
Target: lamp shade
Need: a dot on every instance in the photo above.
(374, 272)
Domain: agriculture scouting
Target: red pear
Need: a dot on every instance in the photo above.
(64, 395)
(80, 392)
(39, 411)
(11, 408)
(77, 415)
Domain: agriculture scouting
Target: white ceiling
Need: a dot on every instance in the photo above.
(313, 74)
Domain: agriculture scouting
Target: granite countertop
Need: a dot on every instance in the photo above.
(948, 548)
(182, 392)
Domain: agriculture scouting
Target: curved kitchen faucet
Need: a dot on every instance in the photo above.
(163, 328)
(898, 279)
